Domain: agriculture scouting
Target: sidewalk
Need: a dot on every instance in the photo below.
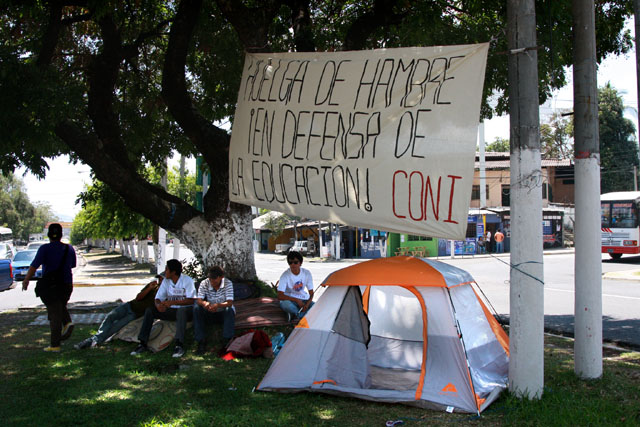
(98, 268)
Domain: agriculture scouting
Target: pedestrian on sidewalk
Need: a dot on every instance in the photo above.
(214, 304)
(487, 242)
(120, 316)
(481, 248)
(174, 301)
(55, 287)
(499, 238)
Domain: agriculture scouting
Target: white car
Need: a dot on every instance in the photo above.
(6, 251)
(305, 247)
(35, 245)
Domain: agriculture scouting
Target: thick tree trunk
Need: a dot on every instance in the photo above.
(224, 241)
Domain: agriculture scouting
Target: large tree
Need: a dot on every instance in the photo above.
(118, 84)
(618, 148)
(556, 136)
(18, 213)
(104, 214)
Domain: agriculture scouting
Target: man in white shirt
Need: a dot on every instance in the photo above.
(295, 288)
(174, 301)
(214, 304)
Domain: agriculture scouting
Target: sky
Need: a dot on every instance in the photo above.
(64, 182)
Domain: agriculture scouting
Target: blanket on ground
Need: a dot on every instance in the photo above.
(250, 313)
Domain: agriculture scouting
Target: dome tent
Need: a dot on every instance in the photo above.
(400, 329)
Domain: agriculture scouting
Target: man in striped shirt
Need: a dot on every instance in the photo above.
(214, 304)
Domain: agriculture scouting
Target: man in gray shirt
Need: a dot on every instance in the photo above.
(214, 304)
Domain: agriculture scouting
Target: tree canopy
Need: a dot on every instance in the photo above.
(618, 149)
(499, 145)
(119, 85)
(18, 213)
(105, 215)
(556, 137)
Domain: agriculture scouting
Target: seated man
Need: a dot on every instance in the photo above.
(214, 304)
(123, 314)
(174, 301)
(295, 288)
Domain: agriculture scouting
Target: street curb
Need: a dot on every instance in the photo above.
(92, 285)
(624, 345)
(625, 276)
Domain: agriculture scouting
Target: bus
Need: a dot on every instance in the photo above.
(6, 235)
(619, 223)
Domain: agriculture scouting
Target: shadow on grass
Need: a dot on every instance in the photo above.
(107, 386)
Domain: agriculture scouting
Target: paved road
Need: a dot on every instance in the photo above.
(621, 298)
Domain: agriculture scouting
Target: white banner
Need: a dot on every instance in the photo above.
(382, 139)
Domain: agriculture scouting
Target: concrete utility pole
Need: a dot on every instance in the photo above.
(161, 254)
(526, 325)
(483, 179)
(588, 263)
(636, 17)
(176, 241)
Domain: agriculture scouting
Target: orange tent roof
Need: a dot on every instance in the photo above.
(393, 271)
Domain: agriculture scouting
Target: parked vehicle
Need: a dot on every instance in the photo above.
(283, 248)
(36, 245)
(21, 262)
(6, 274)
(620, 227)
(305, 247)
(6, 235)
(6, 250)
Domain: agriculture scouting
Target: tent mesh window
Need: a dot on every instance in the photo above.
(352, 322)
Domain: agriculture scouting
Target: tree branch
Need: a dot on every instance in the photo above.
(103, 73)
(301, 23)
(251, 24)
(365, 25)
(206, 137)
(105, 152)
(51, 35)
(162, 208)
(77, 18)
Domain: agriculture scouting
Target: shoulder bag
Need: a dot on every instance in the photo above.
(51, 283)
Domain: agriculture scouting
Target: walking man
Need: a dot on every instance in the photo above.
(55, 287)
(174, 301)
(214, 304)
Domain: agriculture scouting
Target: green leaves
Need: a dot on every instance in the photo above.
(618, 149)
(17, 212)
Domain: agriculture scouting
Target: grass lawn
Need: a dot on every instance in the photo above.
(106, 386)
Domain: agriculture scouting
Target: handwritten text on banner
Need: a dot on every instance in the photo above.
(382, 139)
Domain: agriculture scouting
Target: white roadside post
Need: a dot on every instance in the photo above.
(132, 252)
(526, 293)
(161, 250)
(123, 248)
(140, 257)
(588, 259)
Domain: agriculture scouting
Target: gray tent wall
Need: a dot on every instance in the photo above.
(331, 356)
